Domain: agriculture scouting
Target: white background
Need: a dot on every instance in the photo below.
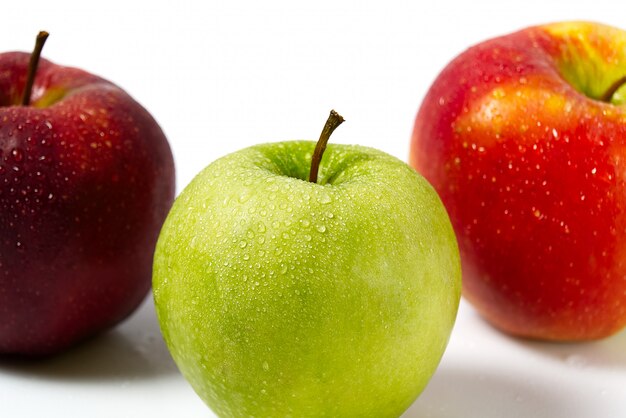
(219, 76)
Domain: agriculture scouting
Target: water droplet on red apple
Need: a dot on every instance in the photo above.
(17, 154)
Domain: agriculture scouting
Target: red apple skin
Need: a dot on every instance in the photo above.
(533, 174)
(86, 180)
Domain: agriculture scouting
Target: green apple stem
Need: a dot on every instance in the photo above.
(333, 121)
(32, 66)
(608, 95)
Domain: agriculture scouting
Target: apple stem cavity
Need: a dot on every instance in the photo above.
(608, 95)
(333, 121)
(32, 66)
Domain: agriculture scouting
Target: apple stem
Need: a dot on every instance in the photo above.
(333, 121)
(608, 95)
(32, 66)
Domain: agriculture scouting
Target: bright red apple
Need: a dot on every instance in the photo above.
(524, 138)
(86, 180)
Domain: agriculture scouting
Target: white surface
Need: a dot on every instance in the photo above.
(220, 76)
(128, 373)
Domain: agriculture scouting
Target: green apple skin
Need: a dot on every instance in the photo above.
(279, 297)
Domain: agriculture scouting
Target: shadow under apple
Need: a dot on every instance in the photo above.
(469, 393)
(608, 353)
(134, 350)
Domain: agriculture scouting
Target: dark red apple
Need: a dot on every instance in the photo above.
(86, 180)
(524, 138)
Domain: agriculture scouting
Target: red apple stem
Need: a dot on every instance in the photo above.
(333, 121)
(608, 95)
(32, 66)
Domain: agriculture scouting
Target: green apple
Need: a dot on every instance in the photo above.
(282, 297)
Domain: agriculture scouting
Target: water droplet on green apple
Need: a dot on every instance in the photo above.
(324, 198)
(307, 237)
(243, 244)
(266, 366)
(244, 197)
(305, 223)
(321, 228)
